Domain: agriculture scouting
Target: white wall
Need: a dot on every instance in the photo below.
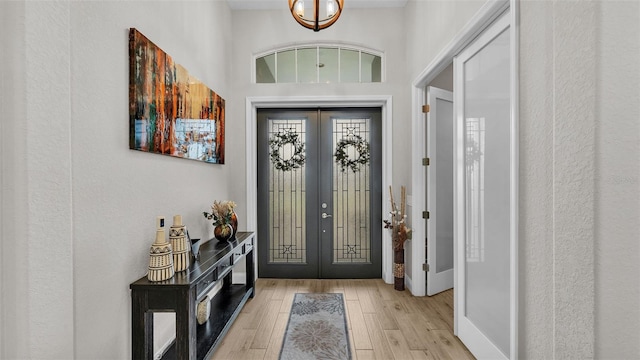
(14, 287)
(617, 193)
(579, 180)
(86, 204)
(430, 26)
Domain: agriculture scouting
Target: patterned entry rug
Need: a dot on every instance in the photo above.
(317, 329)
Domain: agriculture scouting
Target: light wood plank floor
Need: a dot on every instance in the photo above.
(383, 323)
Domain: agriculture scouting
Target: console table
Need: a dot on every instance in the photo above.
(182, 293)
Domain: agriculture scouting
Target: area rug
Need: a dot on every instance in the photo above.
(317, 329)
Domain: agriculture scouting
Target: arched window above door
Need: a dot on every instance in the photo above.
(319, 63)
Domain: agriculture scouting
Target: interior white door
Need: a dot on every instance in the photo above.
(439, 190)
(486, 193)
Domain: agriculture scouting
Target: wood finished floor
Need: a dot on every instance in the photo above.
(383, 323)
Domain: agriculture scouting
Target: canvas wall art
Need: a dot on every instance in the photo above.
(170, 111)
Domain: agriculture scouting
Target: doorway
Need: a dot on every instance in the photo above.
(319, 193)
(485, 180)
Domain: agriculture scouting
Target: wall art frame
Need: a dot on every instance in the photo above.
(170, 111)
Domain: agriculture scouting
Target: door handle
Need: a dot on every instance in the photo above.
(325, 215)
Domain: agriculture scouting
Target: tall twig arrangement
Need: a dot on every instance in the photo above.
(399, 230)
(399, 234)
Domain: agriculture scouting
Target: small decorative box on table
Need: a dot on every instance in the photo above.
(182, 293)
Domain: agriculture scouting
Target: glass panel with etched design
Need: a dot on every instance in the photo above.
(287, 191)
(351, 191)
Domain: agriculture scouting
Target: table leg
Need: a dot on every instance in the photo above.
(186, 325)
(141, 327)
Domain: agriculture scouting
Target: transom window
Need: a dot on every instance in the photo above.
(319, 64)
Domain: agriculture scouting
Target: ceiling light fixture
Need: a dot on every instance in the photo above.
(321, 17)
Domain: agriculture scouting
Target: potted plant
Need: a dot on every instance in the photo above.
(225, 220)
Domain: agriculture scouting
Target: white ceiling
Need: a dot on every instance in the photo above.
(283, 4)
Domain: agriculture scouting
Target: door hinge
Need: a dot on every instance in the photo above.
(425, 214)
(425, 108)
(425, 161)
(425, 267)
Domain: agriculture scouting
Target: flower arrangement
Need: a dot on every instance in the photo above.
(399, 234)
(221, 212)
(399, 230)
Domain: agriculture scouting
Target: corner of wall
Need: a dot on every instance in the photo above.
(14, 329)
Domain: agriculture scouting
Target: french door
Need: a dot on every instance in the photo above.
(486, 190)
(319, 193)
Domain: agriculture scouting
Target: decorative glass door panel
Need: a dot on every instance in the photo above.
(287, 225)
(351, 191)
(319, 193)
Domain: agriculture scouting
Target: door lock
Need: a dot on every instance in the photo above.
(325, 215)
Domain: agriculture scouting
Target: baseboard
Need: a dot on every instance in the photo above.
(164, 333)
(407, 283)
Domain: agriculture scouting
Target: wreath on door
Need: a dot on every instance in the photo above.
(362, 157)
(277, 142)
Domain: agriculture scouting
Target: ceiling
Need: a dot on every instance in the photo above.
(279, 4)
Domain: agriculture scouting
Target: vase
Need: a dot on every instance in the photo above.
(179, 244)
(398, 269)
(223, 232)
(234, 223)
(160, 259)
(203, 311)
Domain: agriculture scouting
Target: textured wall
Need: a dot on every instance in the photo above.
(536, 181)
(557, 175)
(14, 327)
(579, 142)
(617, 196)
(90, 202)
(49, 185)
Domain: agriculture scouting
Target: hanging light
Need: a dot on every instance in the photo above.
(320, 17)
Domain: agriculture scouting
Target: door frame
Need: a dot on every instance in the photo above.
(489, 12)
(253, 103)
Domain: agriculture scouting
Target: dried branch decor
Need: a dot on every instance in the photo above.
(399, 234)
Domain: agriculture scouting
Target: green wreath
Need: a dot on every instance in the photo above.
(362, 148)
(277, 142)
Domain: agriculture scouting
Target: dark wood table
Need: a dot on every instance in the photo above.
(182, 293)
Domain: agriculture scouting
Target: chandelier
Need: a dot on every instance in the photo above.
(318, 17)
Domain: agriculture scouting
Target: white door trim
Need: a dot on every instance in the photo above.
(490, 11)
(255, 102)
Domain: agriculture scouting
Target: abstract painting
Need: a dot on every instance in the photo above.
(170, 111)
